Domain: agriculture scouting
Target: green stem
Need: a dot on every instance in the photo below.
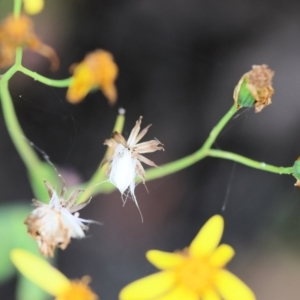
(189, 160)
(9, 73)
(175, 166)
(45, 80)
(204, 151)
(217, 129)
(96, 184)
(19, 54)
(25, 151)
(182, 163)
(17, 8)
(250, 162)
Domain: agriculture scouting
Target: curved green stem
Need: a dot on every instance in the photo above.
(189, 160)
(25, 151)
(52, 82)
(250, 162)
(177, 165)
(182, 163)
(218, 128)
(96, 184)
(9, 73)
(205, 151)
(37, 170)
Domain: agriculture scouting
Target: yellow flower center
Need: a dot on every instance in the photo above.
(78, 290)
(196, 274)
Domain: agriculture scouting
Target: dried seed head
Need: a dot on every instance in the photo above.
(260, 76)
(53, 225)
(255, 88)
(125, 163)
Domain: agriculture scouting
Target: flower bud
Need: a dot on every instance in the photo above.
(296, 171)
(33, 7)
(254, 88)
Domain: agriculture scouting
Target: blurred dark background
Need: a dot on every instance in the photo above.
(179, 62)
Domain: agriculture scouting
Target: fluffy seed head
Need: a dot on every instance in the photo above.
(53, 225)
(125, 163)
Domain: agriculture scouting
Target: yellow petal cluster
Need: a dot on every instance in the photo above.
(50, 279)
(78, 290)
(33, 7)
(97, 70)
(18, 32)
(195, 273)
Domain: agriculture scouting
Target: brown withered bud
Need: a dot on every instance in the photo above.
(255, 88)
(53, 225)
(18, 32)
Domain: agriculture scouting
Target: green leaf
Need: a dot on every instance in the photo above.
(11, 230)
(28, 290)
(14, 232)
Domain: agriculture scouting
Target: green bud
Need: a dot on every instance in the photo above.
(296, 169)
(254, 88)
(244, 97)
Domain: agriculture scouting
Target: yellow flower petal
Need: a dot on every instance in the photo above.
(33, 7)
(179, 293)
(110, 92)
(210, 295)
(78, 290)
(222, 255)
(149, 287)
(39, 271)
(81, 84)
(232, 288)
(164, 260)
(97, 70)
(208, 237)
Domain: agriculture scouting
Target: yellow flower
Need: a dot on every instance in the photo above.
(33, 7)
(50, 279)
(195, 273)
(18, 32)
(97, 70)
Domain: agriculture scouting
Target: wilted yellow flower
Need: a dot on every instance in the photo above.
(195, 273)
(53, 225)
(49, 279)
(125, 163)
(33, 7)
(254, 88)
(18, 32)
(97, 70)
